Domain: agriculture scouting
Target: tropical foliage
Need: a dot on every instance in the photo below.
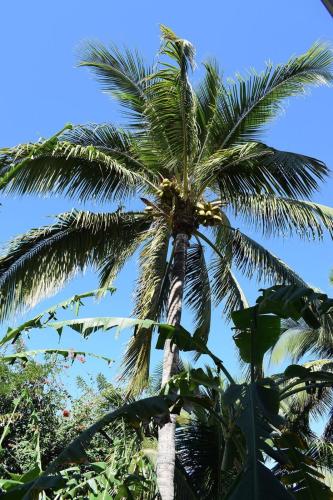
(233, 438)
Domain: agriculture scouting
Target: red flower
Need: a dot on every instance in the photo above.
(65, 413)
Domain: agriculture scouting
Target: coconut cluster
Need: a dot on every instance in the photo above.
(208, 214)
(167, 188)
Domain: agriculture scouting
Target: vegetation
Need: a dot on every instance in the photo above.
(233, 438)
(195, 159)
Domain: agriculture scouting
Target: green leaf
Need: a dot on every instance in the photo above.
(87, 326)
(244, 318)
(66, 353)
(295, 302)
(267, 486)
(40, 261)
(23, 491)
(45, 317)
(293, 371)
(258, 333)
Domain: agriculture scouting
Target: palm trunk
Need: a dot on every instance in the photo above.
(166, 434)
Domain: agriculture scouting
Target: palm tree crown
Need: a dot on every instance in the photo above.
(193, 155)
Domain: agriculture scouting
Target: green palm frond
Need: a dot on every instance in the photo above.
(197, 292)
(254, 168)
(250, 103)
(122, 74)
(328, 431)
(198, 451)
(150, 302)
(251, 259)
(37, 263)
(119, 144)
(322, 452)
(225, 287)
(284, 216)
(178, 49)
(298, 339)
(75, 169)
(172, 103)
(207, 95)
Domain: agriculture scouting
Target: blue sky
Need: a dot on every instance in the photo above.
(41, 90)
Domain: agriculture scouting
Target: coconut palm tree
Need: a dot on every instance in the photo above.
(193, 157)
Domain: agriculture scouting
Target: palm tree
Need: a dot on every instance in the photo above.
(194, 157)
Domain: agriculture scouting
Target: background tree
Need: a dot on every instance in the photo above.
(38, 418)
(195, 154)
(31, 414)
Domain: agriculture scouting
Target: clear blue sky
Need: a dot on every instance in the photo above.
(41, 90)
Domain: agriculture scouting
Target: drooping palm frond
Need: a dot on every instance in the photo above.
(75, 169)
(197, 292)
(251, 259)
(225, 287)
(119, 144)
(283, 216)
(37, 263)
(328, 431)
(250, 103)
(150, 302)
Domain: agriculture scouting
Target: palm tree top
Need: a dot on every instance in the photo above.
(194, 155)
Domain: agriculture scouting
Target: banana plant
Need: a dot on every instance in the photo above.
(260, 451)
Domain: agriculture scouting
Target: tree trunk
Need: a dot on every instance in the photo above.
(166, 434)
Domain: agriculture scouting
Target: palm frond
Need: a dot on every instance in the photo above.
(150, 302)
(251, 259)
(197, 292)
(75, 169)
(122, 74)
(117, 143)
(255, 168)
(198, 451)
(178, 49)
(298, 339)
(322, 452)
(39, 262)
(207, 96)
(225, 287)
(249, 103)
(276, 216)
(172, 104)
(328, 431)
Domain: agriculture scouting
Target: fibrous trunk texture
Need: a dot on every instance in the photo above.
(166, 434)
